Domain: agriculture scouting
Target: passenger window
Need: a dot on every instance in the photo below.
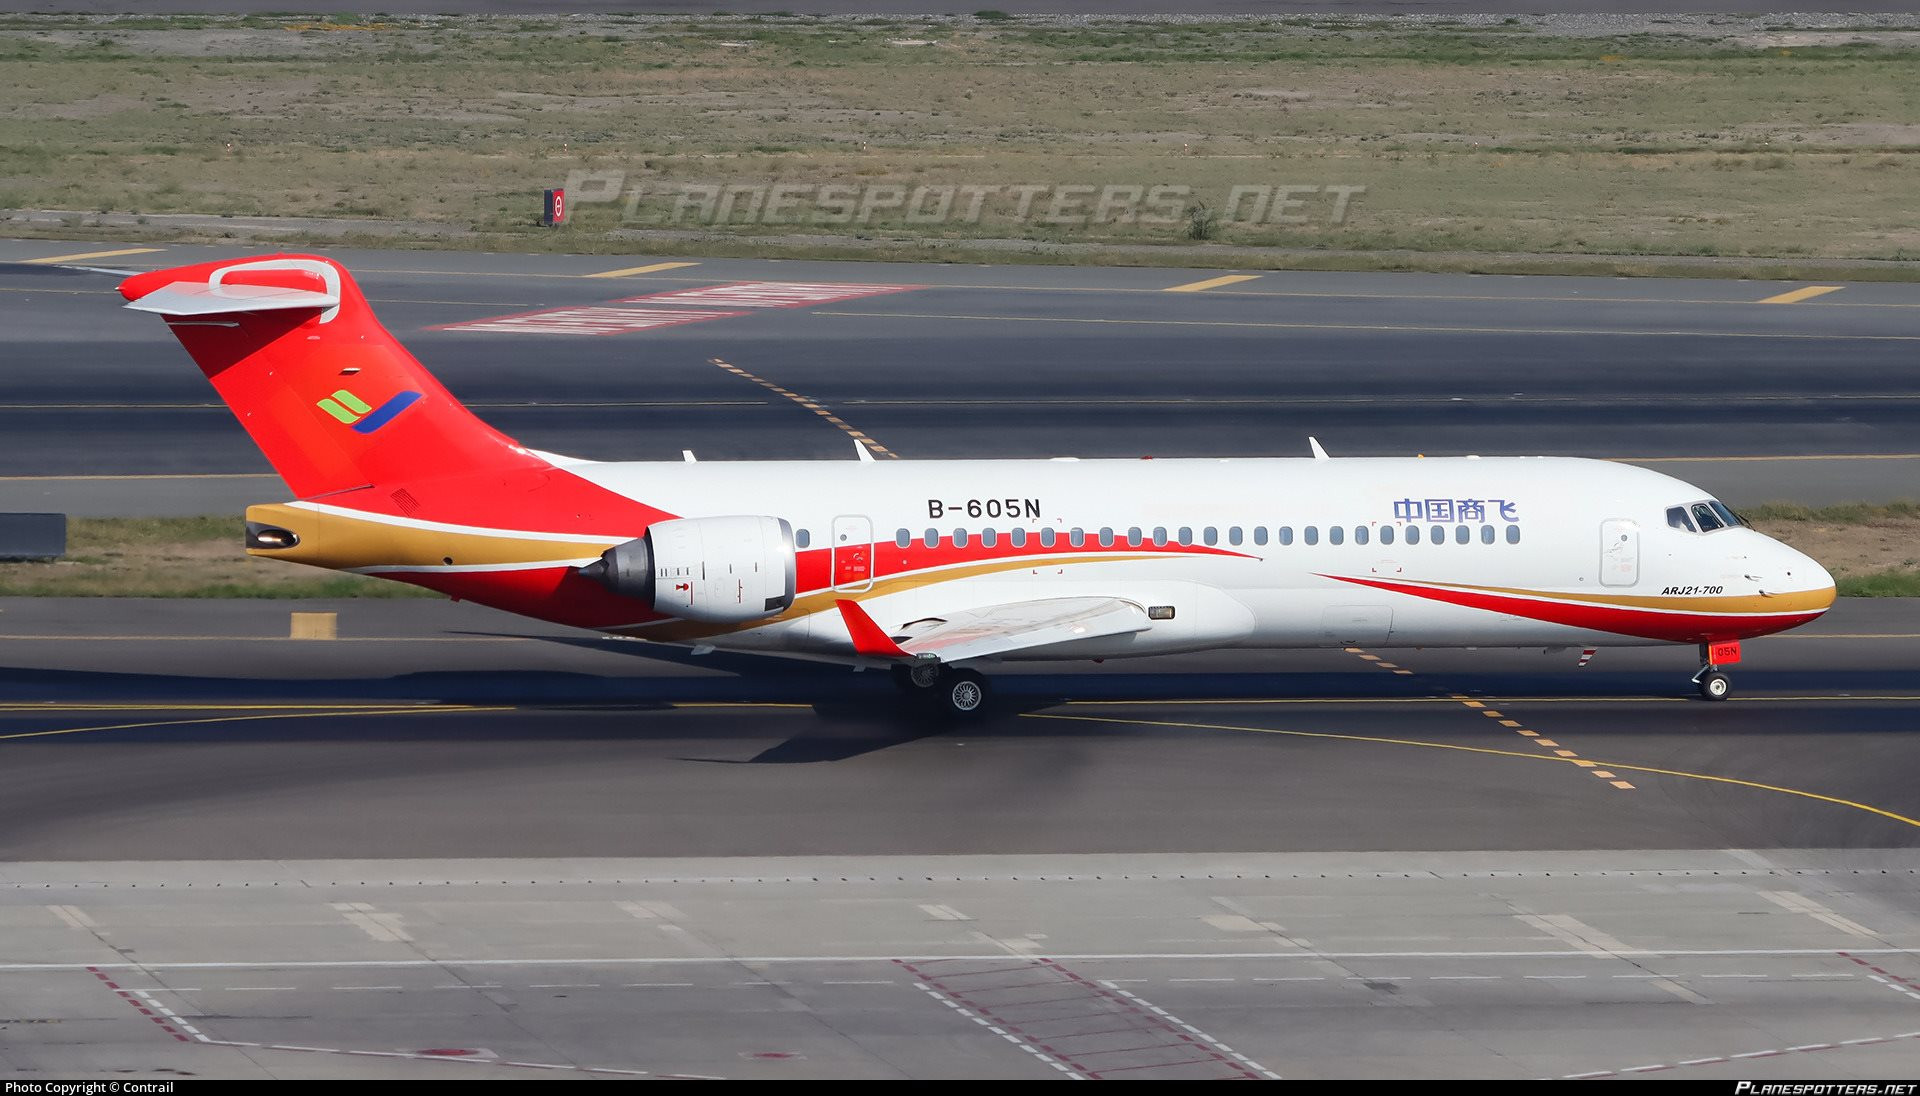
(1233, 536)
(903, 538)
(1259, 534)
(1437, 535)
(932, 538)
(1677, 518)
(1336, 535)
(1019, 538)
(1413, 534)
(1311, 534)
(1708, 520)
(1186, 534)
(959, 538)
(1386, 534)
(1462, 534)
(1359, 534)
(1513, 534)
(1134, 537)
(1283, 535)
(989, 538)
(1160, 535)
(1486, 534)
(1106, 536)
(802, 538)
(1047, 537)
(1077, 537)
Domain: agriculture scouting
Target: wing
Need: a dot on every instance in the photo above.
(999, 629)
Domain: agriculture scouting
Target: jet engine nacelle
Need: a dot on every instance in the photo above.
(720, 570)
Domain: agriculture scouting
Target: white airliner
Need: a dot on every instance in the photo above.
(939, 568)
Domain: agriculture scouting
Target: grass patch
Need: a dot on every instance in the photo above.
(1904, 582)
(188, 557)
(1478, 140)
(1850, 513)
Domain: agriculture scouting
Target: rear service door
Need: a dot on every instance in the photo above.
(1619, 552)
(852, 553)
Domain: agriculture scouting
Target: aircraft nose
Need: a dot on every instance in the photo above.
(1803, 574)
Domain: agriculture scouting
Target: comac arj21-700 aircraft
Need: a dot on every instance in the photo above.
(938, 568)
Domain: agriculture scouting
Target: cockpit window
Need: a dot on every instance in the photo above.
(1708, 520)
(1726, 515)
(1677, 517)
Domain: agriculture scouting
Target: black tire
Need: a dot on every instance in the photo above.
(964, 694)
(1716, 685)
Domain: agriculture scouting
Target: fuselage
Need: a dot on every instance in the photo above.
(1236, 552)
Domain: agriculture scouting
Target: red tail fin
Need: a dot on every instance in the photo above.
(332, 399)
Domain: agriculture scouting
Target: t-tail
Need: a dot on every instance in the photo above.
(333, 401)
(394, 476)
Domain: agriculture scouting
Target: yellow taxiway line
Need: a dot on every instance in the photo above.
(1798, 295)
(50, 259)
(630, 271)
(1211, 283)
(1486, 750)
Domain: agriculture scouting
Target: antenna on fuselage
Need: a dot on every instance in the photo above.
(1318, 452)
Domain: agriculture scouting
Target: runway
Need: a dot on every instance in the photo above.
(1758, 391)
(447, 844)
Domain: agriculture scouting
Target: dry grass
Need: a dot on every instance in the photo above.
(1486, 140)
(177, 557)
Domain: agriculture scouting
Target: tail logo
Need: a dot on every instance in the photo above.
(353, 411)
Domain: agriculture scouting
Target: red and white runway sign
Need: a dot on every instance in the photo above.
(591, 320)
(771, 294)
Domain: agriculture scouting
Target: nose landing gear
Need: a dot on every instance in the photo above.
(1711, 681)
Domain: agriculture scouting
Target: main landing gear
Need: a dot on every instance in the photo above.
(1711, 681)
(957, 693)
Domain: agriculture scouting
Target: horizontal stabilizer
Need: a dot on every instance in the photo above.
(201, 299)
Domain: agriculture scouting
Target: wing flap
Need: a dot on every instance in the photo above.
(1025, 625)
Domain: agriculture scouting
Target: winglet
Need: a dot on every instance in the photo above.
(1318, 452)
(868, 638)
(861, 451)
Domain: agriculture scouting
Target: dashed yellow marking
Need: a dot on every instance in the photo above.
(1602, 774)
(1212, 283)
(1473, 703)
(1586, 764)
(91, 255)
(1798, 295)
(1530, 734)
(630, 271)
(1408, 673)
(1509, 723)
(1900, 818)
(1547, 742)
(861, 439)
(1490, 713)
(1566, 753)
(1371, 658)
